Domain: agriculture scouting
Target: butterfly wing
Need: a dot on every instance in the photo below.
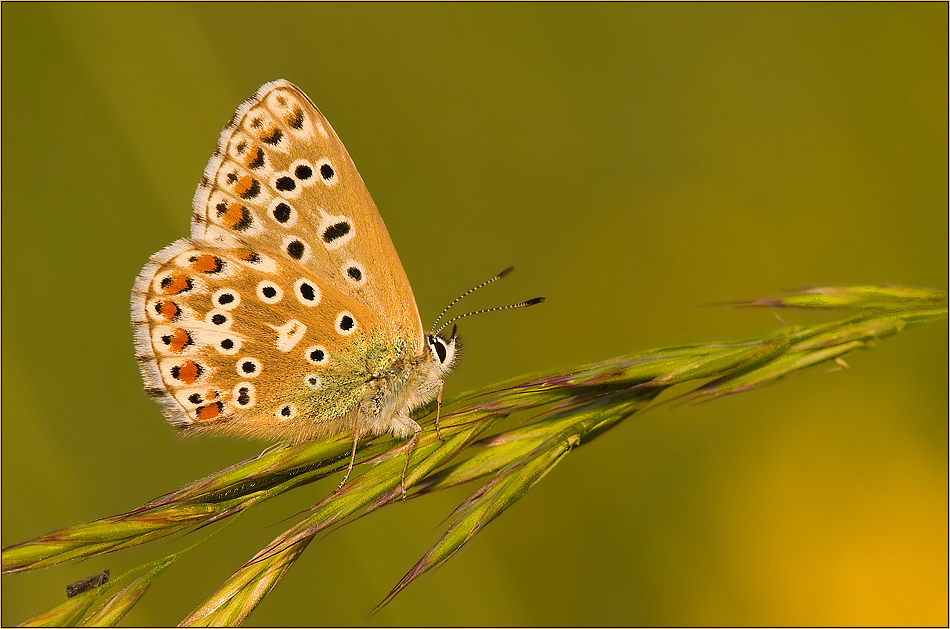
(282, 178)
(289, 290)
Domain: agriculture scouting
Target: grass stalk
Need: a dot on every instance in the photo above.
(570, 408)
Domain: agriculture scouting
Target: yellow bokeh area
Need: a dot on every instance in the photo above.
(817, 534)
(637, 163)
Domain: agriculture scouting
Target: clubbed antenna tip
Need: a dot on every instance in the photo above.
(523, 304)
(469, 292)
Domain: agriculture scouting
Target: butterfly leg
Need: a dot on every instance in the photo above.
(408, 422)
(438, 409)
(356, 438)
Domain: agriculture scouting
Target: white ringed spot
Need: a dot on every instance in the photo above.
(316, 355)
(304, 172)
(312, 381)
(286, 185)
(307, 292)
(248, 367)
(245, 395)
(345, 324)
(269, 292)
(282, 212)
(295, 248)
(228, 345)
(286, 411)
(326, 172)
(354, 273)
(335, 231)
(220, 319)
(226, 299)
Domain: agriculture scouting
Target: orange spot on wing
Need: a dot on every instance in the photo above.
(254, 157)
(295, 118)
(207, 263)
(189, 371)
(178, 340)
(246, 255)
(174, 284)
(168, 309)
(269, 134)
(233, 214)
(243, 185)
(209, 411)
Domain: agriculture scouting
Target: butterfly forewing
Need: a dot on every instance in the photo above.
(288, 289)
(281, 180)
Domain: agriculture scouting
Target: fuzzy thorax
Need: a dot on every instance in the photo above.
(393, 393)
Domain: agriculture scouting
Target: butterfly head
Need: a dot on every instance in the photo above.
(445, 351)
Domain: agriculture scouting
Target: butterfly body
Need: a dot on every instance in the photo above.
(287, 313)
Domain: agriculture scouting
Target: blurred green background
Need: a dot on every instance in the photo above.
(635, 162)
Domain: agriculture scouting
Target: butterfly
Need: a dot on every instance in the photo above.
(286, 315)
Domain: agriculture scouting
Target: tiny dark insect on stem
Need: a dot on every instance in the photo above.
(87, 583)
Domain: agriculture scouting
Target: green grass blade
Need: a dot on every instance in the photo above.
(119, 604)
(67, 614)
(866, 297)
(569, 408)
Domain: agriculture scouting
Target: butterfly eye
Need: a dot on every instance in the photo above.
(439, 348)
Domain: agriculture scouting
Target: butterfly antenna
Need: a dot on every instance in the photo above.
(469, 292)
(524, 304)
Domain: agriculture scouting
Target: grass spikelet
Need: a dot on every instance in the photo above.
(560, 411)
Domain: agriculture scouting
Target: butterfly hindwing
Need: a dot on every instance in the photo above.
(225, 345)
